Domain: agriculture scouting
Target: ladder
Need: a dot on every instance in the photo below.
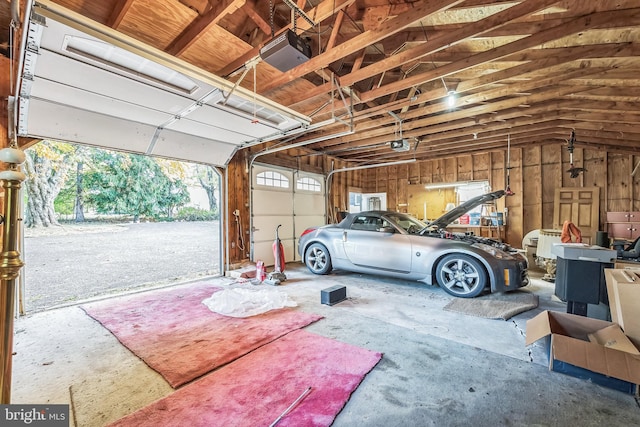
(488, 210)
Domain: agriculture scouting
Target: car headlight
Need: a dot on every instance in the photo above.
(497, 253)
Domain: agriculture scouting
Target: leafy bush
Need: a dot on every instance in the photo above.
(65, 202)
(195, 214)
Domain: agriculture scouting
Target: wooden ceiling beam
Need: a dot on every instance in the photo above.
(476, 133)
(253, 14)
(201, 24)
(510, 90)
(595, 51)
(335, 31)
(387, 28)
(620, 128)
(617, 17)
(437, 108)
(604, 146)
(120, 9)
(600, 117)
(493, 21)
(549, 93)
(628, 138)
(319, 13)
(523, 27)
(461, 148)
(569, 55)
(459, 127)
(622, 107)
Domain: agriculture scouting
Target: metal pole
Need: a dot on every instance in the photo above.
(10, 262)
(10, 265)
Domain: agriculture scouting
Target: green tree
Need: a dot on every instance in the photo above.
(131, 184)
(70, 200)
(47, 165)
(210, 182)
(78, 207)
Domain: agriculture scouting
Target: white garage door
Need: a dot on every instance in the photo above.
(293, 199)
(85, 83)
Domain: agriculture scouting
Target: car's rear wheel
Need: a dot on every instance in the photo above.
(461, 276)
(317, 259)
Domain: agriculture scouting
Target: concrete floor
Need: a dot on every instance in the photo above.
(439, 368)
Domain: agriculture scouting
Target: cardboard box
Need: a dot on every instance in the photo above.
(623, 289)
(627, 265)
(570, 351)
(613, 337)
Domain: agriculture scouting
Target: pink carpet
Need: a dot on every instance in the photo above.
(257, 388)
(178, 336)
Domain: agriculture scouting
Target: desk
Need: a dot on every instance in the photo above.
(497, 232)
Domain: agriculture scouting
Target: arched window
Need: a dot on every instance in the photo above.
(308, 184)
(272, 179)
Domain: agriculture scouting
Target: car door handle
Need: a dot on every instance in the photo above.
(344, 236)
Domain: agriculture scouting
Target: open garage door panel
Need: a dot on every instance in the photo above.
(83, 82)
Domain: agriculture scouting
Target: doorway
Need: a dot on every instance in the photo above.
(111, 230)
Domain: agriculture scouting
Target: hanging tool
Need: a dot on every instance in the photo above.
(240, 239)
(508, 191)
(573, 171)
(277, 275)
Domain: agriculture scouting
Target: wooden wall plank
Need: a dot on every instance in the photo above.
(595, 163)
(481, 166)
(531, 189)
(465, 168)
(618, 183)
(635, 184)
(426, 172)
(536, 173)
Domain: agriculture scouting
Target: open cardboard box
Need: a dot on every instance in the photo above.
(623, 289)
(566, 340)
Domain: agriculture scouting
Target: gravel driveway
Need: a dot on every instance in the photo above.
(69, 263)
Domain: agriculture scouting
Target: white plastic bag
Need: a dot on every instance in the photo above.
(241, 302)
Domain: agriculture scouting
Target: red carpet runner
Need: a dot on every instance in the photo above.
(257, 388)
(178, 336)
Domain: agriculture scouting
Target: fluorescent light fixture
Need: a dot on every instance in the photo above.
(120, 59)
(451, 99)
(443, 185)
(458, 184)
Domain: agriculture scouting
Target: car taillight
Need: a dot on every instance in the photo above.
(308, 230)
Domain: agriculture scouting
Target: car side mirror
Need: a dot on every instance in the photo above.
(387, 229)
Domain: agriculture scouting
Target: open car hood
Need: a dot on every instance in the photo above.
(465, 207)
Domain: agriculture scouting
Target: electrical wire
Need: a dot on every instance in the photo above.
(240, 239)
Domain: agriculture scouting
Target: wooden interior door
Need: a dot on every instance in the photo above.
(581, 206)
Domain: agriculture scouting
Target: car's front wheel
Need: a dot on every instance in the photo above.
(317, 259)
(461, 276)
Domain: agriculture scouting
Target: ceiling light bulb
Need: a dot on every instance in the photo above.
(451, 99)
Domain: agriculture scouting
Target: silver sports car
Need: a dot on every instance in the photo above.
(398, 245)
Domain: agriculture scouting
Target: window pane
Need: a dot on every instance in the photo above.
(272, 179)
(308, 184)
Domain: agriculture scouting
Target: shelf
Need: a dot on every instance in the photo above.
(492, 231)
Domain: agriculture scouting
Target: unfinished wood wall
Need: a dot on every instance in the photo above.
(535, 174)
(240, 186)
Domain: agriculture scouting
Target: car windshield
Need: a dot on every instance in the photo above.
(408, 223)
